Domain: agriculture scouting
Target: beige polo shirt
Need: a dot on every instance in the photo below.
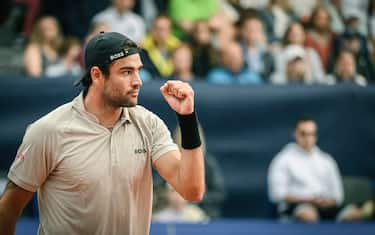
(91, 180)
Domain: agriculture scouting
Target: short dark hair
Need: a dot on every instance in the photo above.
(304, 118)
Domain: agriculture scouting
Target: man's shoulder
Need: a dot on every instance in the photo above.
(324, 155)
(53, 120)
(287, 151)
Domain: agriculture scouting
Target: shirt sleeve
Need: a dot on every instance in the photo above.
(278, 180)
(35, 158)
(335, 186)
(161, 139)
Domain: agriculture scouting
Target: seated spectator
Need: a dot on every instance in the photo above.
(159, 44)
(304, 182)
(304, 8)
(233, 68)
(296, 69)
(205, 55)
(43, 49)
(357, 43)
(182, 60)
(69, 63)
(178, 210)
(346, 70)
(334, 9)
(276, 18)
(295, 35)
(320, 35)
(256, 51)
(121, 19)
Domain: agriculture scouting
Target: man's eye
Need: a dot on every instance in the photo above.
(126, 72)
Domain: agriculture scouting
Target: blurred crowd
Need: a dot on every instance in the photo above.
(218, 41)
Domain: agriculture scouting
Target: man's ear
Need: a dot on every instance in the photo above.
(96, 75)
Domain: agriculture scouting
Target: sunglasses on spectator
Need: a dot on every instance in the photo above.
(307, 133)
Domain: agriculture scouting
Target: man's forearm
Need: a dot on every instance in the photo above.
(191, 174)
(7, 220)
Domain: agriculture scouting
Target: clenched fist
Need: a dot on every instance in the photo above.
(179, 95)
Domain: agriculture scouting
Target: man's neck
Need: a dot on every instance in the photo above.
(107, 115)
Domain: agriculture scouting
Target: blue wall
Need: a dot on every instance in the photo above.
(245, 126)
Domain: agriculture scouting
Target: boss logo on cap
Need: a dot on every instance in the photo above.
(117, 55)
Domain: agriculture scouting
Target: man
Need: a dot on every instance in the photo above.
(346, 70)
(90, 160)
(233, 69)
(120, 18)
(303, 180)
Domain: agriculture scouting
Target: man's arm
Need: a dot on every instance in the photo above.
(184, 169)
(12, 203)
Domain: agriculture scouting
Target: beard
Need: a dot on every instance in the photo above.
(118, 100)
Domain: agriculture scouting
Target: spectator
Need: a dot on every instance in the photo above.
(357, 9)
(121, 19)
(182, 60)
(346, 71)
(304, 8)
(295, 35)
(320, 36)
(334, 9)
(296, 69)
(43, 49)
(159, 44)
(69, 64)
(205, 55)
(276, 18)
(304, 181)
(256, 51)
(233, 68)
(178, 210)
(355, 42)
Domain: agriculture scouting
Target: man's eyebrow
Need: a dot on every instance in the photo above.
(131, 67)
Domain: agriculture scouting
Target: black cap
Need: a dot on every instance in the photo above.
(104, 48)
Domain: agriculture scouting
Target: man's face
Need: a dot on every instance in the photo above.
(305, 135)
(121, 87)
(161, 29)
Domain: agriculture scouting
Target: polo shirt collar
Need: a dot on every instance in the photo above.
(80, 107)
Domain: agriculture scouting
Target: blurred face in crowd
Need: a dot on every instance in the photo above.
(252, 31)
(49, 29)
(295, 34)
(202, 33)
(345, 65)
(73, 52)
(182, 59)
(161, 29)
(123, 5)
(352, 44)
(296, 69)
(306, 134)
(321, 20)
(232, 57)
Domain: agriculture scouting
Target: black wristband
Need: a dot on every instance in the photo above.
(190, 138)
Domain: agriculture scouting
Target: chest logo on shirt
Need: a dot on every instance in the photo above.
(140, 150)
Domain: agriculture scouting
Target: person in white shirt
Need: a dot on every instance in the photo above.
(304, 182)
(120, 17)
